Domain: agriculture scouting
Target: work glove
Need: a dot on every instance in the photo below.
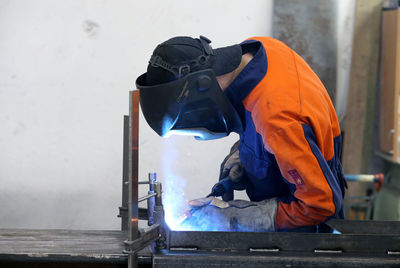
(213, 214)
(232, 175)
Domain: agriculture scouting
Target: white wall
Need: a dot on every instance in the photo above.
(65, 71)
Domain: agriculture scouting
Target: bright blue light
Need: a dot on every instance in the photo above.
(178, 215)
(175, 204)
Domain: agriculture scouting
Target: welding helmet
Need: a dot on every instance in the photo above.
(180, 94)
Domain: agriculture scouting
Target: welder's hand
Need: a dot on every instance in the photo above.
(226, 185)
(231, 166)
(232, 175)
(213, 214)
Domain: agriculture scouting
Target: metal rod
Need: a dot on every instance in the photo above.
(133, 171)
(152, 234)
(152, 180)
(146, 197)
(125, 176)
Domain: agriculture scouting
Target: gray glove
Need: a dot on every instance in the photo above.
(231, 166)
(232, 175)
(213, 214)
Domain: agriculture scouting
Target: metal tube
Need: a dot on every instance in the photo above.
(125, 176)
(146, 197)
(133, 171)
(152, 180)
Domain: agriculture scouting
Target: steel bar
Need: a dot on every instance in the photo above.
(133, 171)
(274, 259)
(125, 179)
(146, 238)
(146, 197)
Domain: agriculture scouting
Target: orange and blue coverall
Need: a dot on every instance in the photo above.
(291, 143)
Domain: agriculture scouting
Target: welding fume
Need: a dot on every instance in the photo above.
(288, 156)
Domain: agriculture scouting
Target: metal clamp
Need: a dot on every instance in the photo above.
(145, 239)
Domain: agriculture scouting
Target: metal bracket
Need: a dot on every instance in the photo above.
(145, 239)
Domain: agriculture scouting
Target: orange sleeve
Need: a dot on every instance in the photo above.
(313, 202)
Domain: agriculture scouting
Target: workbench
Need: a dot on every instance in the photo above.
(61, 248)
(360, 244)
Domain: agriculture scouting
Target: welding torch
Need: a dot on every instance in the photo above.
(221, 187)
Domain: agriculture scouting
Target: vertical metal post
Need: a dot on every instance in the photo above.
(133, 171)
(125, 177)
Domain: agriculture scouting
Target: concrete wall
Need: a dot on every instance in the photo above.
(65, 71)
(309, 28)
(345, 25)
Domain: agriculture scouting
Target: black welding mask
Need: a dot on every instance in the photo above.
(188, 99)
(194, 105)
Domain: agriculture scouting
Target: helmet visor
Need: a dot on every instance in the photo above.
(193, 105)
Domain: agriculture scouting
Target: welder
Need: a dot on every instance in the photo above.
(288, 156)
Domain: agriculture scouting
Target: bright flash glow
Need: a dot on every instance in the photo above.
(176, 207)
(198, 133)
(174, 201)
(178, 215)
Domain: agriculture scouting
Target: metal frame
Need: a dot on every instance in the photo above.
(267, 259)
(133, 173)
(361, 244)
(368, 244)
(154, 213)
